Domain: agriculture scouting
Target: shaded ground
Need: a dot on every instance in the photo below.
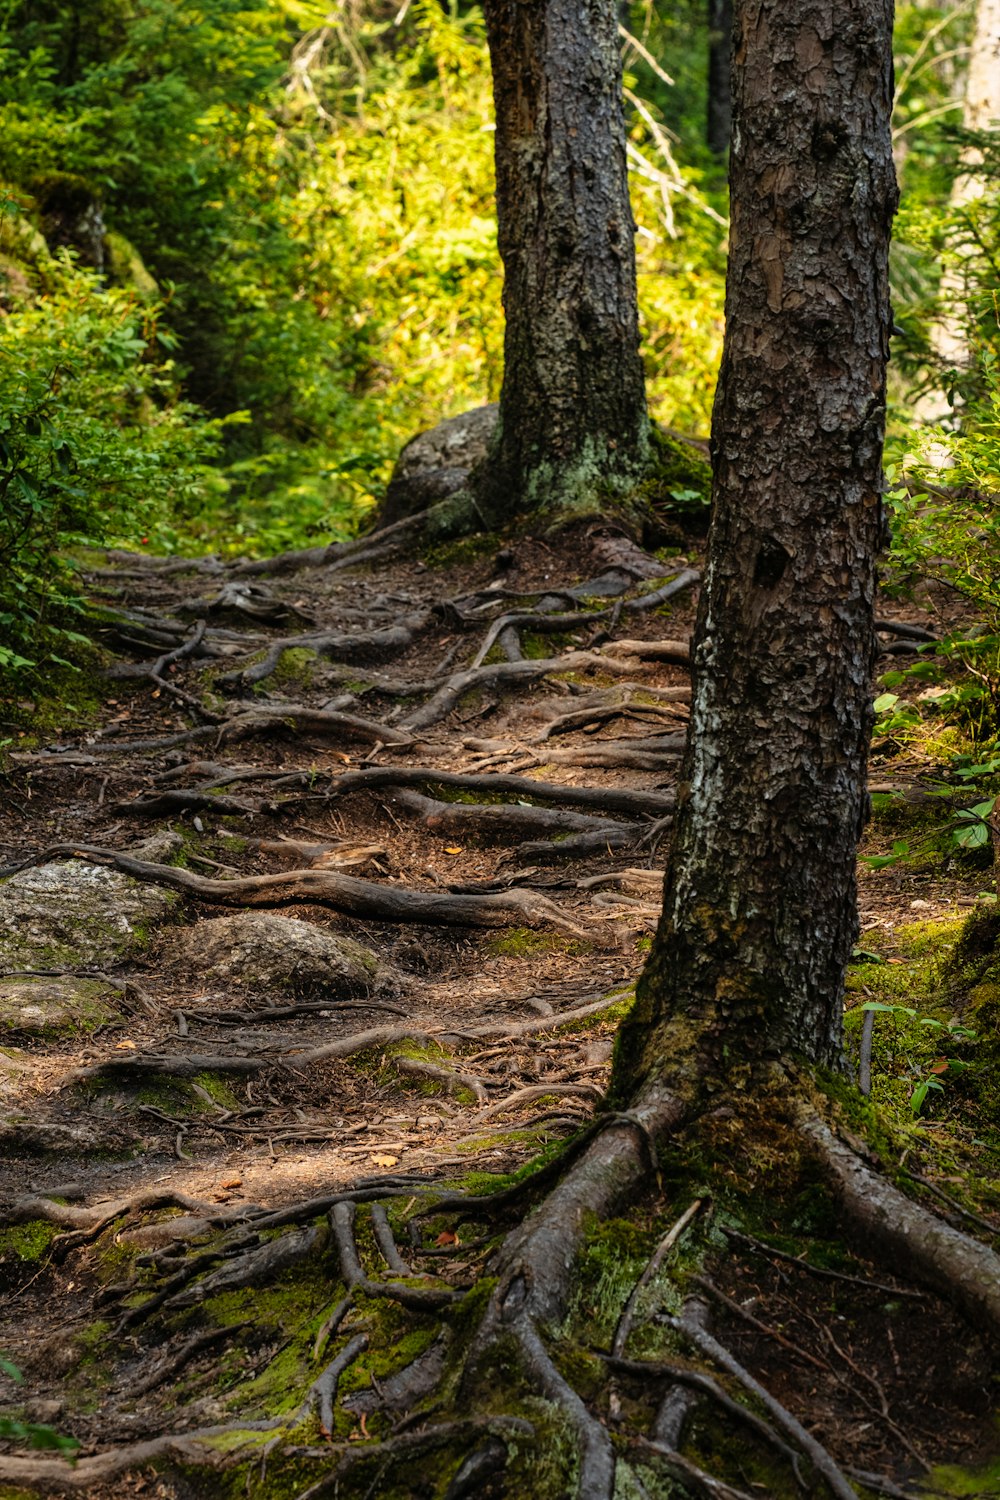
(227, 1064)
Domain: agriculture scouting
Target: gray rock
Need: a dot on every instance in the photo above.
(46, 1007)
(75, 916)
(261, 951)
(437, 463)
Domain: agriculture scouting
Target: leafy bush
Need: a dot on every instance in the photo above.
(95, 448)
(945, 499)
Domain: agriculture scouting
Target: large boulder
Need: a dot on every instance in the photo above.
(437, 463)
(260, 951)
(75, 916)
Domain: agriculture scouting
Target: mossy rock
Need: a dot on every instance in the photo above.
(125, 266)
(75, 916)
(263, 951)
(45, 1007)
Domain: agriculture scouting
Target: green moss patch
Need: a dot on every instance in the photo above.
(525, 942)
(26, 1244)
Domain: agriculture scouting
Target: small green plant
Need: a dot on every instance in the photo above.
(928, 1077)
(34, 1434)
(974, 830)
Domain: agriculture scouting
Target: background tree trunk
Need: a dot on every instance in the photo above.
(760, 905)
(720, 93)
(981, 112)
(573, 417)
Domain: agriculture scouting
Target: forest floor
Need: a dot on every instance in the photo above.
(412, 982)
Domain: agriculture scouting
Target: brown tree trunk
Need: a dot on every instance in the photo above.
(573, 426)
(760, 903)
(720, 51)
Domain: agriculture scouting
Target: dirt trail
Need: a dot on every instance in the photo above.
(226, 1058)
(343, 897)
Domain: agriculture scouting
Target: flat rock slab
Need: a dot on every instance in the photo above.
(47, 1007)
(75, 916)
(261, 951)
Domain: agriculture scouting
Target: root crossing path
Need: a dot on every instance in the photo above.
(340, 892)
(313, 933)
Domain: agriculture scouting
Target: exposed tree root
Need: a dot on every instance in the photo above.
(254, 601)
(417, 1294)
(386, 1243)
(333, 645)
(960, 1269)
(592, 714)
(690, 1327)
(323, 1391)
(194, 1345)
(85, 1224)
(446, 697)
(578, 845)
(497, 821)
(346, 893)
(293, 716)
(55, 1476)
(326, 557)
(241, 725)
(256, 1265)
(605, 799)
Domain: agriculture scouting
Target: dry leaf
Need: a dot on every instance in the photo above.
(453, 849)
(447, 1237)
(233, 1182)
(125, 1047)
(382, 1159)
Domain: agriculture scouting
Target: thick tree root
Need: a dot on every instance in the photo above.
(344, 893)
(497, 821)
(446, 697)
(601, 799)
(55, 1476)
(960, 1269)
(419, 1296)
(328, 556)
(334, 645)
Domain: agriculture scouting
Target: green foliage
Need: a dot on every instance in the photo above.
(95, 447)
(930, 1076)
(945, 500)
(314, 197)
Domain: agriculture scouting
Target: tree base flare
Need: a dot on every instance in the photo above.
(585, 1350)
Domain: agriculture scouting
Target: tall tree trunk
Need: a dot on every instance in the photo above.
(760, 902)
(573, 422)
(720, 97)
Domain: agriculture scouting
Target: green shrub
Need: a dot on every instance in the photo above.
(95, 448)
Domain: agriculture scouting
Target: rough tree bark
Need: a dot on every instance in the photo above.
(573, 422)
(720, 102)
(760, 906)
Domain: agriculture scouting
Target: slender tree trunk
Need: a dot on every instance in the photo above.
(760, 902)
(573, 421)
(720, 99)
